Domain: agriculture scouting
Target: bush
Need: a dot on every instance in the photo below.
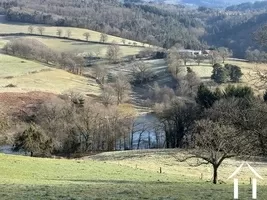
(205, 97)
(238, 92)
(10, 85)
(235, 72)
(219, 74)
(226, 73)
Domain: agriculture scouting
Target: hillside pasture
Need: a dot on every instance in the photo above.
(64, 45)
(26, 75)
(127, 175)
(76, 33)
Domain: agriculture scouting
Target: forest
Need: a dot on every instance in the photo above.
(157, 24)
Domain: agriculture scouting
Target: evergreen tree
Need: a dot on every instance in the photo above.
(219, 73)
(235, 72)
(205, 97)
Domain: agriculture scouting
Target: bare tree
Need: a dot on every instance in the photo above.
(122, 88)
(185, 57)
(86, 35)
(68, 33)
(176, 117)
(215, 57)
(174, 63)
(224, 53)
(108, 95)
(41, 30)
(100, 73)
(258, 77)
(59, 32)
(6, 47)
(141, 73)
(103, 37)
(113, 52)
(213, 142)
(199, 59)
(31, 29)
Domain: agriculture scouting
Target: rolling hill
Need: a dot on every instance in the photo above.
(205, 3)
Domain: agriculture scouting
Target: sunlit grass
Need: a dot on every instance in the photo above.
(33, 76)
(76, 33)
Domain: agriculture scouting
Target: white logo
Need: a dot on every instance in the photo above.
(254, 181)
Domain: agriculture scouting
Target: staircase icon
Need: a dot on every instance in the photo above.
(254, 180)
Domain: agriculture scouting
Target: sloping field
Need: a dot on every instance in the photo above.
(76, 33)
(27, 76)
(111, 176)
(204, 70)
(63, 45)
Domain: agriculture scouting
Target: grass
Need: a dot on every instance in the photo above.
(204, 70)
(84, 47)
(64, 45)
(111, 176)
(33, 76)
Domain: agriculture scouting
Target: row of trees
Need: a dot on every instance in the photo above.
(256, 56)
(36, 50)
(41, 29)
(75, 125)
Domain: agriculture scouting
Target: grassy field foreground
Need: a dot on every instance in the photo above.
(110, 176)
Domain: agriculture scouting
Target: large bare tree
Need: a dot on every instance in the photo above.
(213, 142)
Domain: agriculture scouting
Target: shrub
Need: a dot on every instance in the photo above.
(235, 72)
(219, 74)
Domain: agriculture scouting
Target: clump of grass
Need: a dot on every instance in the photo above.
(34, 72)
(45, 70)
(8, 77)
(10, 85)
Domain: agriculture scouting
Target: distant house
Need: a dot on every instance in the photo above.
(190, 52)
(206, 52)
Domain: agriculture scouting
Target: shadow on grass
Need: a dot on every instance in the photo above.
(117, 181)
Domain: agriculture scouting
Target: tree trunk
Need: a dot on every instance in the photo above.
(215, 174)
(31, 154)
